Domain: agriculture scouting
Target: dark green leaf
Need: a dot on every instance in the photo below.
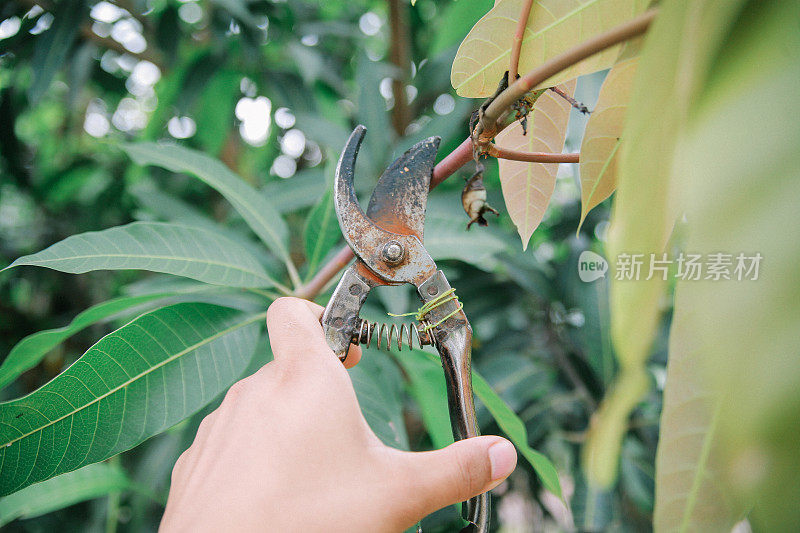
(156, 246)
(30, 350)
(53, 45)
(257, 211)
(215, 111)
(427, 386)
(131, 385)
(321, 232)
(301, 190)
(460, 17)
(514, 428)
(378, 387)
(62, 491)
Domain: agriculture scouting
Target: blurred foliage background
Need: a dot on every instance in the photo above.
(272, 89)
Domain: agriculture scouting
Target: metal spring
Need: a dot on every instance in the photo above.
(392, 333)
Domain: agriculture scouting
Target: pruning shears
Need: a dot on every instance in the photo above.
(387, 244)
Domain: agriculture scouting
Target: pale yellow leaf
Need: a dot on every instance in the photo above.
(527, 187)
(600, 147)
(674, 61)
(554, 26)
(740, 160)
(689, 480)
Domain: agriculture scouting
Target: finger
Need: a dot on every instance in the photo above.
(294, 331)
(454, 474)
(354, 354)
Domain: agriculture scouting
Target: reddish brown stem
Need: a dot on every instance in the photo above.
(519, 35)
(532, 157)
(487, 127)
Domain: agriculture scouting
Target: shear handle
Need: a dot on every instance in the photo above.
(340, 318)
(454, 343)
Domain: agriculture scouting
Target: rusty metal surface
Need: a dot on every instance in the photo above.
(401, 195)
(387, 243)
(366, 238)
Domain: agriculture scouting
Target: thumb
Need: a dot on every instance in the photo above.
(457, 473)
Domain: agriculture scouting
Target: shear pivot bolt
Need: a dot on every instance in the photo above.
(392, 252)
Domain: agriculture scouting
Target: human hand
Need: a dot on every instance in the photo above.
(289, 450)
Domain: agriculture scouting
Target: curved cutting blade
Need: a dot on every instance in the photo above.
(366, 237)
(401, 195)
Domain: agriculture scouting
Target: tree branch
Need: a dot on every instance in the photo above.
(399, 54)
(573, 102)
(519, 35)
(486, 129)
(531, 157)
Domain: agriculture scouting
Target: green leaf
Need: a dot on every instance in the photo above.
(460, 17)
(30, 350)
(514, 428)
(554, 26)
(739, 157)
(132, 384)
(89, 482)
(377, 383)
(592, 508)
(215, 112)
(297, 192)
(671, 70)
(256, 210)
(52, 46)
(159, 247)
(168, 208)
(372, 112)
(321, 232)
(427, 387)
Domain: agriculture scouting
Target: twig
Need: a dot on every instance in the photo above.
(487, 126)
(310, 290)
(580, 106)
(531, 157)
(519, 35)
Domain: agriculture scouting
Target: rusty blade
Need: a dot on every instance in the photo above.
(401, 195)
(367, 239)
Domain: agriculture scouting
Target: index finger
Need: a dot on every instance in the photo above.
(294, 329)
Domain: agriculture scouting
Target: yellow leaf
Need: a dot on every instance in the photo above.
(527, 187)
(553, 27)
(690, 485)
(600, 147)
(740, 159)
(671, 71)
